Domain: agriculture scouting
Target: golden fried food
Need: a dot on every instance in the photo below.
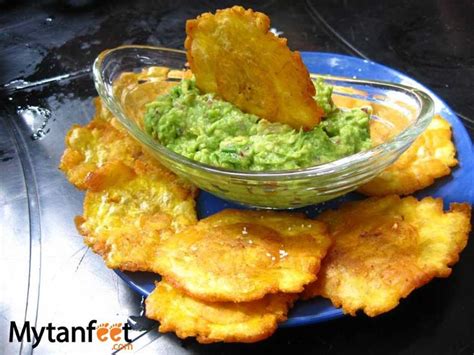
(132, 201)
(211, 322)
(386, 247)
(431, 156)
(91, 146)
(127, 217)
(241, 256)
(233, 54)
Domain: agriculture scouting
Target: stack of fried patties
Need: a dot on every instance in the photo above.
(233, 276)
(229, 277)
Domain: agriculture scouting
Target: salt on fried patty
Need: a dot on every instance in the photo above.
(384, 248)
(239, 256)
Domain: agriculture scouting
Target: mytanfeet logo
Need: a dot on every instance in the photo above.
(114, 333)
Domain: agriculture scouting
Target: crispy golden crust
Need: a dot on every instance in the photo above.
(243, 255)
(233, 54)
(90, 147)
(102, 141)
(126, 219)
(384, 248)
(132, 202)
(211, 322)
(431, 156)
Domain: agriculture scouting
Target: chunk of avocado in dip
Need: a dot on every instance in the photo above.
(212, 131)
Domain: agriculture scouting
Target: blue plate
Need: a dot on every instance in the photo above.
(458, 187)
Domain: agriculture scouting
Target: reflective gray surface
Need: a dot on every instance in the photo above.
(51, 276)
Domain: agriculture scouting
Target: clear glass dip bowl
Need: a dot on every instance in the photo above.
(401, 114)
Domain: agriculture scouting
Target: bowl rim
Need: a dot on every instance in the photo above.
(408, 135)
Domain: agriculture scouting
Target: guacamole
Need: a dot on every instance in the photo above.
(211, 131)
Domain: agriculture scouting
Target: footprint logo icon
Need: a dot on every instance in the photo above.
(102, 330)
(114, 331)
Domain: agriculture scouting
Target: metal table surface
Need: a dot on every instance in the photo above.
(49, 276)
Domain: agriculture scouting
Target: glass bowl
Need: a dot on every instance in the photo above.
(401, 114)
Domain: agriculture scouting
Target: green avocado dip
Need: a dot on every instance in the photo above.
(215, 132)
